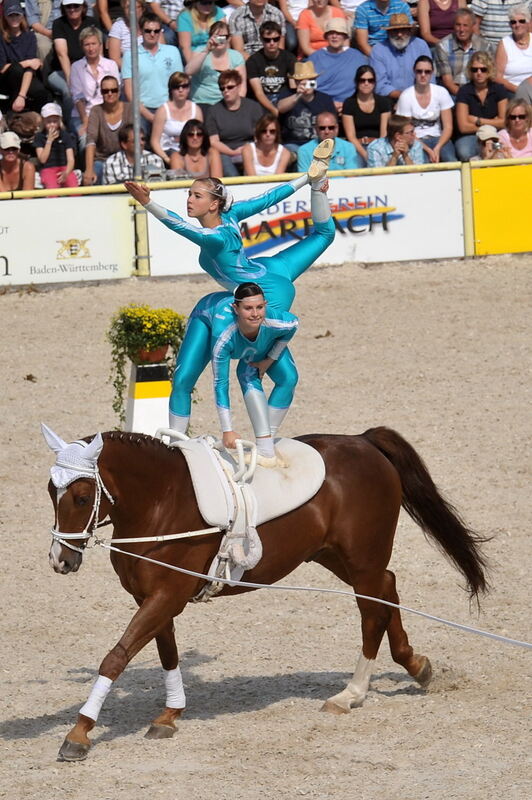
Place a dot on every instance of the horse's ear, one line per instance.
(94, 448)
(52, 439)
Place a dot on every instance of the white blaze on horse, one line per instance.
(348, 526)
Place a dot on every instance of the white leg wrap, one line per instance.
(320, 209)
(175, 694)
(177, 423)
(356, 690)
(99, 692)
(276, 416)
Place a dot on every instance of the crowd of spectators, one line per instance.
(232, 87)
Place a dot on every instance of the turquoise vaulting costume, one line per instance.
(228, 342)
(223, 257)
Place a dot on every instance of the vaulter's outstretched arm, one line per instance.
(246, 208)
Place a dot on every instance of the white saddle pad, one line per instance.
(277, 490)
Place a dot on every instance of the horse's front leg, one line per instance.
(150, 619)
(165, 725)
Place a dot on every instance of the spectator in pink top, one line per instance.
(86, 76)
(516, 136)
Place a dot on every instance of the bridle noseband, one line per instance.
(93, 522)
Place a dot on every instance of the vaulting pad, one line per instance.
(277, 490)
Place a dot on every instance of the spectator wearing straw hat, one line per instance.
(298, 110)
(394, 59)
(372, 19)
(337, 62)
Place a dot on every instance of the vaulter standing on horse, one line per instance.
(257, 335)
(223, 257)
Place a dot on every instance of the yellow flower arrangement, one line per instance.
(135, 328)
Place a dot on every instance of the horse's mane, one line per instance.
(138, 439)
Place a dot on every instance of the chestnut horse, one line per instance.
(348, 527)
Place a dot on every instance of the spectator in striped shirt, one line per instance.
(453, 52)
(120, 166)
(493, 19)
(372, 19)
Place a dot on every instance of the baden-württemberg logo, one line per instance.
(73, 248)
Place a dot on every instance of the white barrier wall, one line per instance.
(53, 240)
(394, 217)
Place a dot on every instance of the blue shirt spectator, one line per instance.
(393, 60)
(399, 147)
(337, 63)
(373, 17)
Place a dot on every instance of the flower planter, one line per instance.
(155, 356)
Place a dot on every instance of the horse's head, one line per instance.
(76, 491)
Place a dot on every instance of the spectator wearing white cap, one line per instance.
(489, 144)
(55, 150)
(16, 173)
(337, 62)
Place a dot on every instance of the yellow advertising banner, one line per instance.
(502, 207)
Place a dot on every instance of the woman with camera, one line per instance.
(206, 65)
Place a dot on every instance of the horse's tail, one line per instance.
(426, 506)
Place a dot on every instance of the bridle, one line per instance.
(93, 522)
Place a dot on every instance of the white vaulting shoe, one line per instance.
(320, 159)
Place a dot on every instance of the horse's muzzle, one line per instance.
(63, 560)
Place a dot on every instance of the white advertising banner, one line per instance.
(393, 217)
(59, 239)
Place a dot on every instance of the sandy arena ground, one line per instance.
(438, 351)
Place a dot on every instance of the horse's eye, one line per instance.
(81, 500)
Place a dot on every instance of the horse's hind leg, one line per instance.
(375, 619)
(165, 725)
(402, 653)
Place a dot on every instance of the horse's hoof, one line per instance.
(73, 751)
(424, 675)
(160, 732)
(332, 708)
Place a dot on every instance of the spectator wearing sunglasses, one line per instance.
(105, 121)
(429, 106)
(245, 22)
(336, 63)
(231, 123)
(345, 155)
(516, 136)
(156, 63)
(170, 120)
(168, 12)
(197, 159)
(513, 58)
(492, 18)
(269, 67)
(482, 101)
(365, 114)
